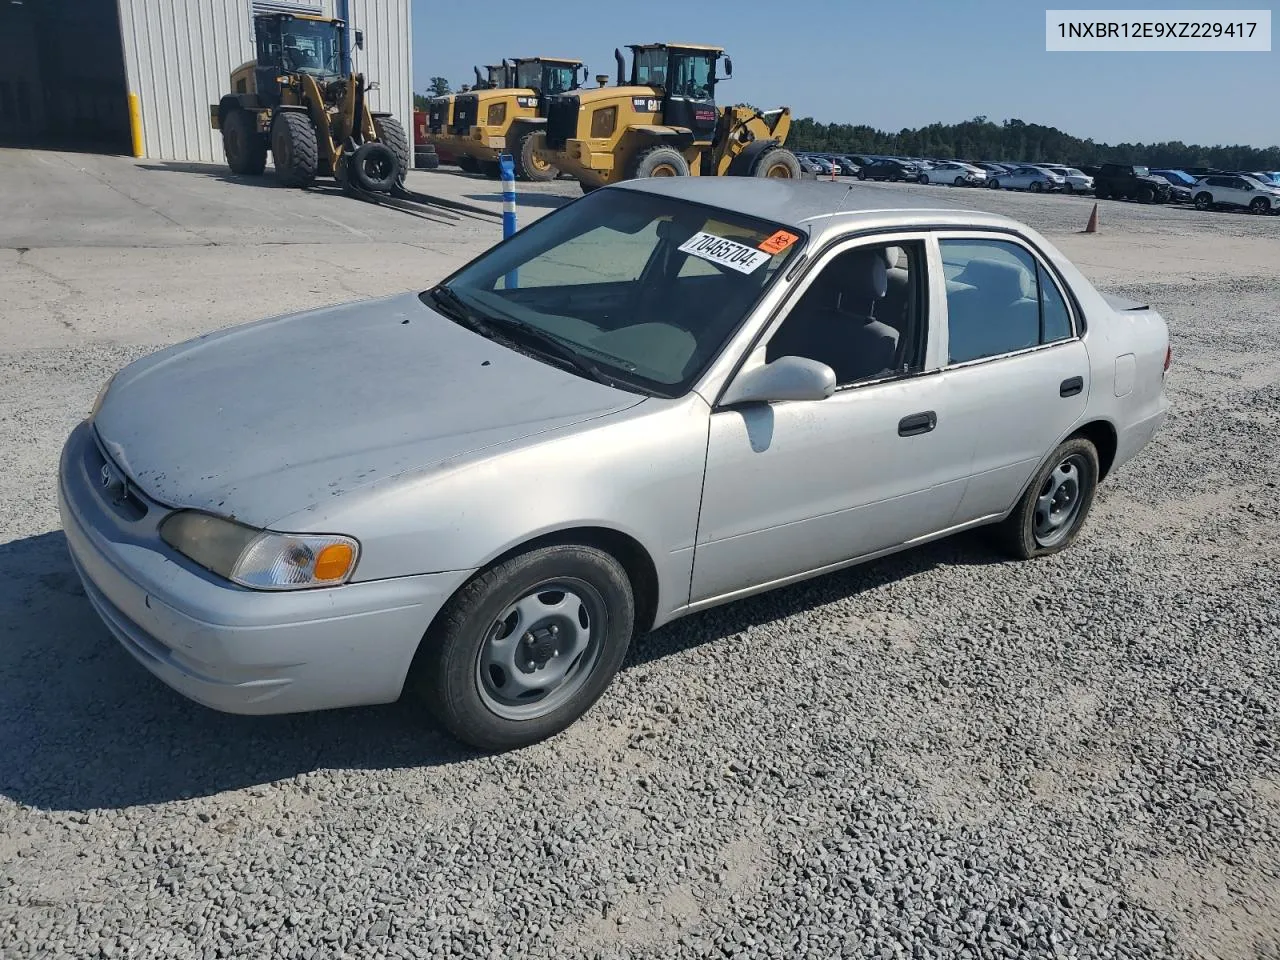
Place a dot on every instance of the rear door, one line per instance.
(1016, 369)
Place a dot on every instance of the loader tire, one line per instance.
(294, 149)
(374, 167)
(392, 134)
(777, 163)
(658, 162)
(529, 164)
(468, 164)
(245, 147)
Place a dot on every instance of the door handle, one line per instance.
(1071, 386)
(917, 424)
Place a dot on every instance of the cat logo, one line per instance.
(644, 104)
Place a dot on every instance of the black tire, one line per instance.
(448, 678)
(491, 169)
(528, 165)
(374, 167)
(244, 146)
(468, 164)
(958, 182)
(1203, 200)
(1017, 533)
(392, 134)
(1259, 205)
(1146, 195)
(1101, 192)
(1068, 188)
(777, 163)
(861, 175)
(1037, 186)
(923, 179)
(426, 158)
(658, 161)
(294, 150)
(994, 184)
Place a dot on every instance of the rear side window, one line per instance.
(999, 300)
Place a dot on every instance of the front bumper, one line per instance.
(232, 649)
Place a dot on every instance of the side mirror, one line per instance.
(359, 39)
(787, 378)
(728, 66)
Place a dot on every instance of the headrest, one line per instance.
(892, 256)
(865, 275)
(1001, 281)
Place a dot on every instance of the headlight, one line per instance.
(102, 395)
(261, 559)
(497, 113)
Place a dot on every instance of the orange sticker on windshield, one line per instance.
(778, 242)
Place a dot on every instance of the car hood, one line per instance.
(263, 420)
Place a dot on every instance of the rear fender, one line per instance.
(740, 165)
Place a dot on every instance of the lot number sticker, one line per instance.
(727, 253)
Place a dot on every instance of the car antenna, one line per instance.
(847, 190)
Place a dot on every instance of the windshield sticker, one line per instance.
(727, 253)
(778, 242)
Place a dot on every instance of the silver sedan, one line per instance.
(1035, 179)
(666, 395)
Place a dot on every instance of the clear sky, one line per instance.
(902, 63)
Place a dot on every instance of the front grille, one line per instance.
(111, 486)
(562, 121)
(465, 111)
(436, 111)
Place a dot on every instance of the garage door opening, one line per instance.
(62, 79)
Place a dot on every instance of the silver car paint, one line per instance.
(606, 460)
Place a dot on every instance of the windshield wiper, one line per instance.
(550, 344)
(463, 312)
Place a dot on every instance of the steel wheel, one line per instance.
(541, 649)
(664, 170)
(1058, 503)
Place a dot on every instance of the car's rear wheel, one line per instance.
(526, 647)
(1036, 186)
(1068, 188)
(1101, 192)
(1056, 502)
(1259, 205)
(958, 182)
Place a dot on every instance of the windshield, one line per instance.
(1141, 172)
(644, 287)
(310, 47)
(692, 76)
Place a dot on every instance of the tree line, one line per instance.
(1014, 140)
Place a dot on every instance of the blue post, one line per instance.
(507, 166)
(344, 14)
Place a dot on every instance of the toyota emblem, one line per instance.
(106, 475)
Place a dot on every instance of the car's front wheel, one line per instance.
(1260, 205)
(1056, 502)
(527, 646)
(1203, 201)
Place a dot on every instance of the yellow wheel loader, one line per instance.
(488, 123)
(661, 120)
(299, 100)
(440, 135)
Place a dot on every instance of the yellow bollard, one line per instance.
(135, 125)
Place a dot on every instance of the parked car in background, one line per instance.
(1176, 177)
(1235, 190)
(1266, 176)
(1178, 192)
(1123, 181)
(845, 166)
(418, 534)
(889, 169)
(807, 164)
(1026, 178)
(988, 166)
(954, 173)
(1073, 180)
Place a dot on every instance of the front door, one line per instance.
(1017, 374)
(797, 486)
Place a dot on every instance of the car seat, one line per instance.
(992, 308)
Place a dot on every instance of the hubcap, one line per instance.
(537, 162)
(664, 170)
(780, 171)
(1058, 505)
(541, 650)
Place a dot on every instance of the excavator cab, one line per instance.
(685, 77)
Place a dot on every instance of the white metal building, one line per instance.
(138, 76)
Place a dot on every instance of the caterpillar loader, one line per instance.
(440, 135)
(661, 120)
(489, 123)
(299, 100)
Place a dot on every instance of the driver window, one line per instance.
(863, 315)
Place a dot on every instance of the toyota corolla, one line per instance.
(666, 395)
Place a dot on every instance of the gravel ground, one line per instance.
(940, 754)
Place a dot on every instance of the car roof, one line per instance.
(817, 203)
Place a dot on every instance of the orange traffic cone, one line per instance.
(1092, 226)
